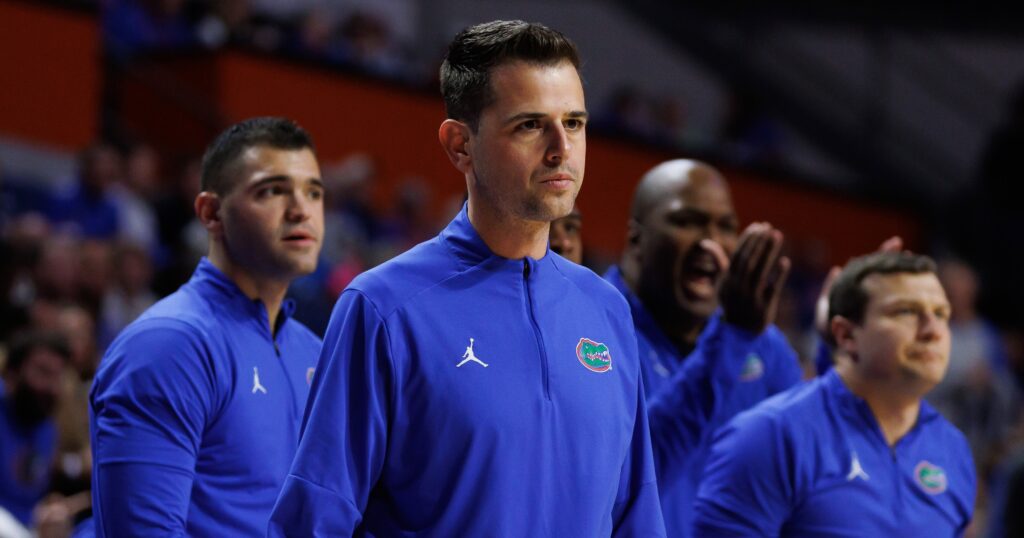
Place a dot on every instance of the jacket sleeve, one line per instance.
(150, 403)
(745, 490)
(345, 427)
(680, 414)
(637, 509)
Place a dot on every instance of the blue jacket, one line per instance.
(465, 394)
(690, 397)
(195, 414)
(814, 462)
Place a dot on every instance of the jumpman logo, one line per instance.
(256, 385)
(469, 356)
(856, 471)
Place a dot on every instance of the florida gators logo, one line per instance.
(594, 355)
(930, 477)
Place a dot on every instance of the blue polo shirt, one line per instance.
(813, 462)
(195, 413)
(461, 393)
(689, 398)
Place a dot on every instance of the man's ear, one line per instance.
(207, 206)
(842, 332)
(454, 138)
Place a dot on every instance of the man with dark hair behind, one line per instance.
(857, 451)
(32, 379)
(196, 406)
(479, 385)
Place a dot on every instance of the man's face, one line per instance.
(677, 275)
(904, 335)
(565, 236)
(273, 216)
(529, 151)
(36, 385)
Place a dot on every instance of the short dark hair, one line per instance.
(847, 297)
(278, 133)
(23, 344)
(475, 51)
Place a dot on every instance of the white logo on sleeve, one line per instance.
(856, 471)
(469, 356)
(256, 385)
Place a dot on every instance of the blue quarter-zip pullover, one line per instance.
(195, 414)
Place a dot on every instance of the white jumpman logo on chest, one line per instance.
(469, 356)
(256, 385)
(856, 471)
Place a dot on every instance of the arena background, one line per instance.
(841, 124)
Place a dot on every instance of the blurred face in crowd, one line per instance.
(273, 216)
(566, 238)
(527, 157)
(904, 336)
(677, 276)
(35, 387)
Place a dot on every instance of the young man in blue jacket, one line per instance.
(196, 407)
(857, 451)
(480, 385)
(708, 348)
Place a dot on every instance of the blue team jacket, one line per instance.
(465, 394)
(688, 399)
(195, 414)
(813, 462)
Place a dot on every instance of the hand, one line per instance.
(753, 284)
(893, 244)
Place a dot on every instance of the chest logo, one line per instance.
(256, 385)
(309, 375)
(469, 356)
(594, 355)
(753, 368)
(930, 477)
(856, 471)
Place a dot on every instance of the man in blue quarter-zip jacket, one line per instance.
(704, 359)
(480, 385)
(196, 407)
(856, 452)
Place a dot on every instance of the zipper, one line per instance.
(546, 377)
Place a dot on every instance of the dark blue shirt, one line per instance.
(465, 394)
(690, 397)
(813, 462)
(26, 457)
(195, 414)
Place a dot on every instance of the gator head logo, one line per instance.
(753, 368)
(930, 477)
(594, 355)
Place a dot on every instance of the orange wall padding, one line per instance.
(50, 89)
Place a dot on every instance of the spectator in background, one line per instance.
(86, 206)
(32, 377)
(135, 196)
(132, 27)
(565, 237)
(978, 394)
(131, 293)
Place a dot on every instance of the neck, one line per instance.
(269, 291)
(894, 407)
(509, 237)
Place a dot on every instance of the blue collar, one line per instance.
(208, 277)
(854, 406)
(466, 244)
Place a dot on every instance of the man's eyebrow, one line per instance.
(574, 114)
(281, 178)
